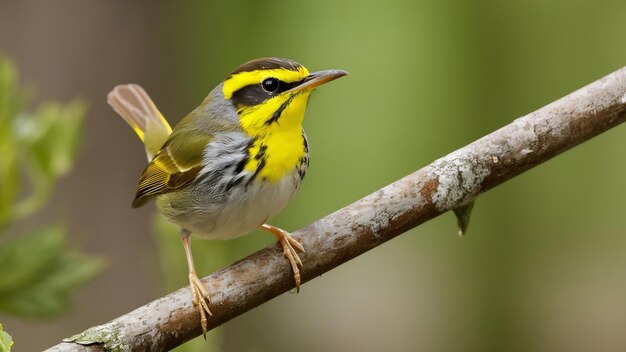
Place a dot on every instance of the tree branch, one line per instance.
(446, 184)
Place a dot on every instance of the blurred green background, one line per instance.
(543, 264)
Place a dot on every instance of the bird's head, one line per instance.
(272, 92)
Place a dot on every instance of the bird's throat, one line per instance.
(278, 146)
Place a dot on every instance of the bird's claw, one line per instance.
(290, 251)
(201, 300)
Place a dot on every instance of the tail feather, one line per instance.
(134, 105)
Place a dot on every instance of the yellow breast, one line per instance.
(278, 147)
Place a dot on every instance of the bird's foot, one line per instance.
(201, 300)
(291, 247)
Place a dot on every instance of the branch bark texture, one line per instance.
(454, 180)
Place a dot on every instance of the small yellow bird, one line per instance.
(233, 162)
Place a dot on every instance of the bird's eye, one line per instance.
(270, 85)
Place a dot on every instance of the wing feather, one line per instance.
(176, 165)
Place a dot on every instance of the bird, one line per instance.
(232, 163)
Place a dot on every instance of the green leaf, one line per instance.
(37, 271)
(37, 275)
(42, 146)
(50, 139)
(6, 341)
(23, 259)
(55, 150)
(9, 179)
(8, 102)
(8, 162)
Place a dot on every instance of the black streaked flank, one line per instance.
(306, 143)
(256, 172)
(235, 181)
(242, 163)
(261, 153)
(303, 163)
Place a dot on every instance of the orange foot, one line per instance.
(290, 245)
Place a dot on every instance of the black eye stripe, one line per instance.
(249, 95)
(254, 94)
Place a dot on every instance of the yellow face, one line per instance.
(271, 113)
(270, 96)
(264, 96)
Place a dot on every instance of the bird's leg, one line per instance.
(290, 245)
(200, 296)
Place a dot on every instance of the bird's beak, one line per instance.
(317, 79)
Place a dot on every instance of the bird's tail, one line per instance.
(138, 110)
